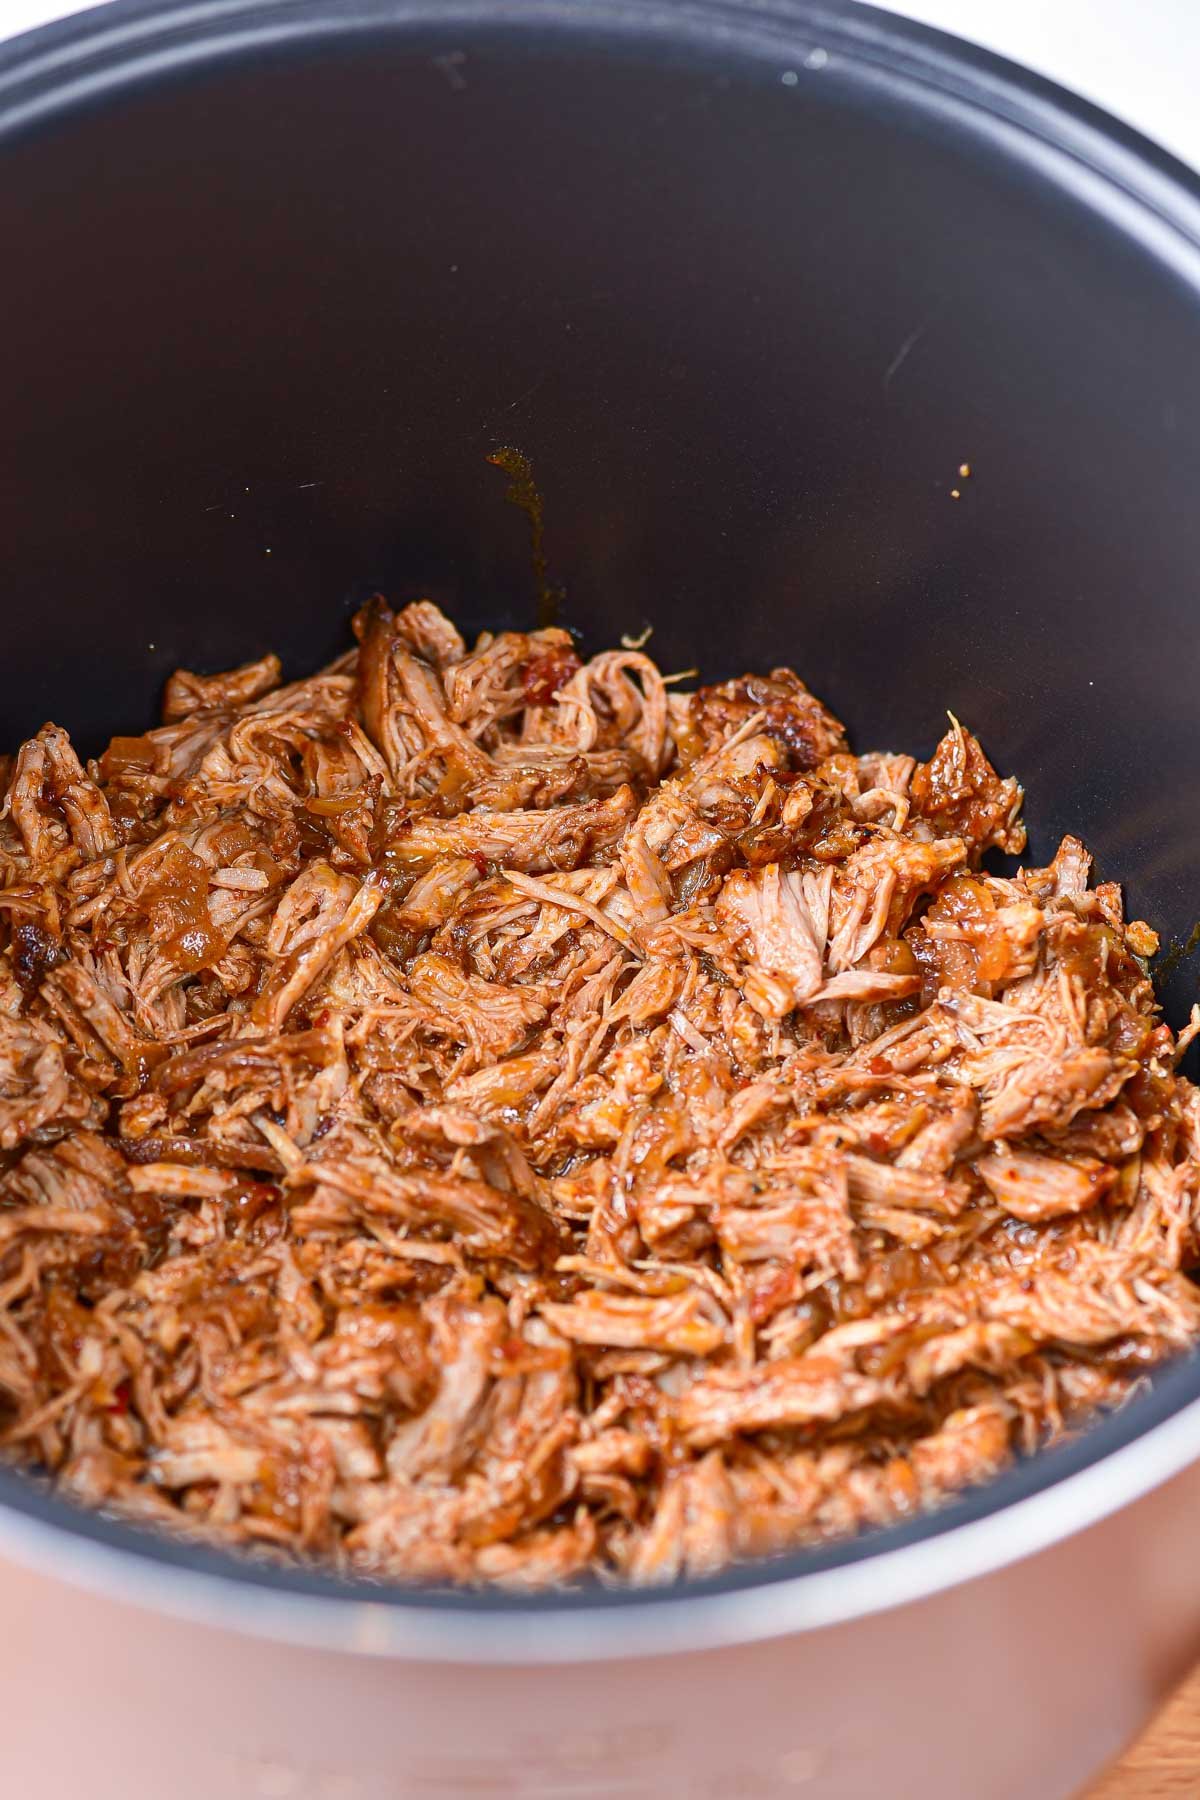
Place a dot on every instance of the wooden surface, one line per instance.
(1165, 1763)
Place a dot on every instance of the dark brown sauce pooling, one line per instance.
(1178, 954)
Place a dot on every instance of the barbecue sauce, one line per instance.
(523, 492)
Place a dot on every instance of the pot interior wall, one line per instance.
(264, 320)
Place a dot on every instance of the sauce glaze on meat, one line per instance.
(474, 1115)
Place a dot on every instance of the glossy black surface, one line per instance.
(747, 286)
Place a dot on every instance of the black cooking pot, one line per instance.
(752, 286)
(747, 314)
(748, 284)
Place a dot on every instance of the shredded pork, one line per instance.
(480, 1116)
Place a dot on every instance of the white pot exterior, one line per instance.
(1021, 1682)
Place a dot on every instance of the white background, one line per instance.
(1138, 58)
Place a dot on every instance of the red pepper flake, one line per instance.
(545, 674)
(480, 861)
(122, 1394)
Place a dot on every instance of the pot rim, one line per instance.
(1106, 166)
(222, 1591)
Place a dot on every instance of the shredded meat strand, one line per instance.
(476, 1115)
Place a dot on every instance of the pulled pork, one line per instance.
(476, 1115)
